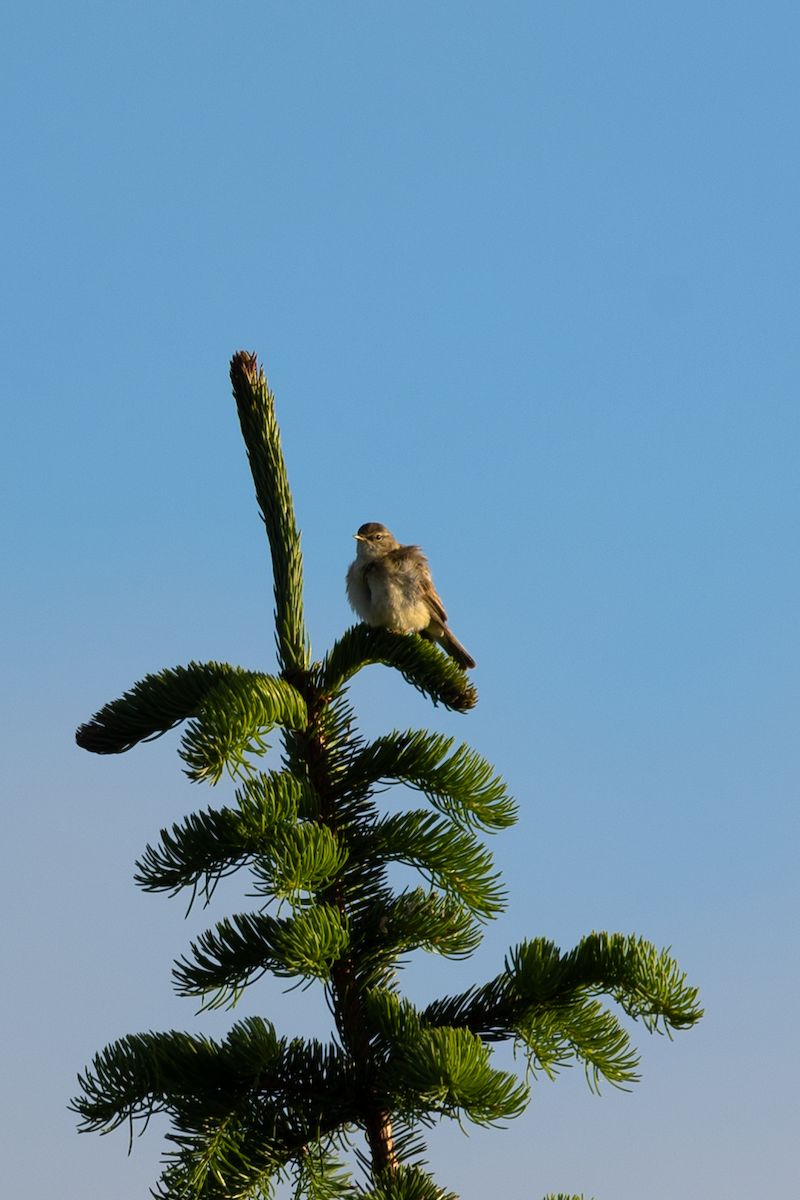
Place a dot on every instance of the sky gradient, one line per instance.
(524, 279)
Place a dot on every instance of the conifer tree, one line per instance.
(256, 1109)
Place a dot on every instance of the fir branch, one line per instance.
(145, 1073)
(319, 1175)
(420, 920)
(464, 786)
(247, 945)
(447, 1072)
(581, 1030)
(283, 1094)
(232, 722)
(451, 857)
(439, 1070)
(562, 1196)
(420, 663)
(256, 407)
(156, 704)
(285, 1116)
(645, 982)
(301, 859)
(206, 846)
(545, 1002)
(405, 1183)
(223, 1164)
(216, 842)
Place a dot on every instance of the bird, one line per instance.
(389, 586)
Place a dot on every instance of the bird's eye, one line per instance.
(378, 537)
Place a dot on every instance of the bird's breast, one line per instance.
(384, 596)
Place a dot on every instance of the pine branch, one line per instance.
(420, 662)
(256, 406)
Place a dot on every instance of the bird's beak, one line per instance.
(359, 537)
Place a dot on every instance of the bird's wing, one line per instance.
(432, 600)
(412, 563)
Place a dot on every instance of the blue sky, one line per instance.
(524, 278)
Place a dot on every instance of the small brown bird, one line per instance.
(390, 586)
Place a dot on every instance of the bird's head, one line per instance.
(374, 540)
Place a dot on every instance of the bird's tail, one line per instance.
(452, 646)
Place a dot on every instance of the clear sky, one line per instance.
(524, 278)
